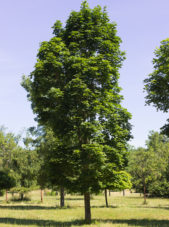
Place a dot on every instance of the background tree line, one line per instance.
(41, 164)
(149, 167)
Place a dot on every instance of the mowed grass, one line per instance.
(123, 211)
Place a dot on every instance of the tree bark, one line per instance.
(144, 194)
(106, 200)
(62, 197)
(123, 192)
(6, 195)
(87, 207)
(22, 195)
(41, 195)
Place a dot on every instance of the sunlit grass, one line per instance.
(123, 211)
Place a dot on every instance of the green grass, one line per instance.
(123, 211)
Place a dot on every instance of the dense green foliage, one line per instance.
(6, 181)
(159, 144)
(149, 167)
(74, 90)
(25, 167)
(20, 164)
(157, 83)
(8, 146)
(57, 162)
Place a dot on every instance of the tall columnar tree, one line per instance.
(74, 90)
(157, 83)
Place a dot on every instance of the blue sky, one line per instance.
(24, 24)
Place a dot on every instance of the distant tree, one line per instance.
(55, 170)
(143, 167)
(115, 180)
(159, 144)
(42, 179)
(149, 167)
(33, 141)
(74, 90)
(25, 167)
(157, 83)
(8, 145)
(22, 163)
(58, 163)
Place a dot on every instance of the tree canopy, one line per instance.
(157, 83)
(74, 90)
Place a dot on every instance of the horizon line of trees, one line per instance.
(23, 169)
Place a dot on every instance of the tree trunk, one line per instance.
(62, 197)
(144, 194)
(41, 195)
(109, 193)
(6, 195)
(123, 192)
(87, 207)
(105, 193)
(22, 195)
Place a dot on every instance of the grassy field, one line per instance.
(123, 211)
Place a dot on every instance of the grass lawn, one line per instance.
(123, 211)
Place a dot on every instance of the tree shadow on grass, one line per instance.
(104, 206)
(40, 222)
(27, 207)
(73, 199)
(151, 207)
(66, 199)
(156, 207)
(138, 222)
(130, 222)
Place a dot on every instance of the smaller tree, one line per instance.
(42, 179)
(8, 145)
(159, 144)
(25, 167)
(143, 167)
(115, 180)
(57, 163)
